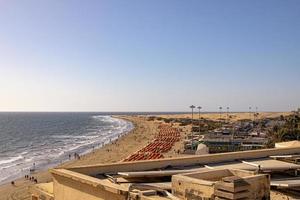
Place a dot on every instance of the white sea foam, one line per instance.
(74, 137)
(10, 160)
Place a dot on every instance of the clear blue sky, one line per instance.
(149, 55)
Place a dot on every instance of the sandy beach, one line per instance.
(118, 150)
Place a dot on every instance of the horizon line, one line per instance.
(195, 111)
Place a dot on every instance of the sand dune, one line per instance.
(232, 116)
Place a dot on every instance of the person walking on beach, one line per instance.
(76, 156)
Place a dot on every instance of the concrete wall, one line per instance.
(69, 189)
(191, 160)
(260, 186)
(202, 185)
(38, 194)
(189, 188)
(73, 184)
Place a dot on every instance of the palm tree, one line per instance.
(250, 112)
(192, 107)
(256, 113)
(199, 107)
(227, 114)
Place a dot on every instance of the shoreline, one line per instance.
(82, 150)
(142, 132)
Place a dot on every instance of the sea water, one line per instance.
(36, 141)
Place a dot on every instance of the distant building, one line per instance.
(222, 184)
(227, 143)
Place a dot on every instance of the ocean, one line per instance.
(41, 140)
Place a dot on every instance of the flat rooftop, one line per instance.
(155, 175)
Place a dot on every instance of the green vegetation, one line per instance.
(205, 124)
(286, 129)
